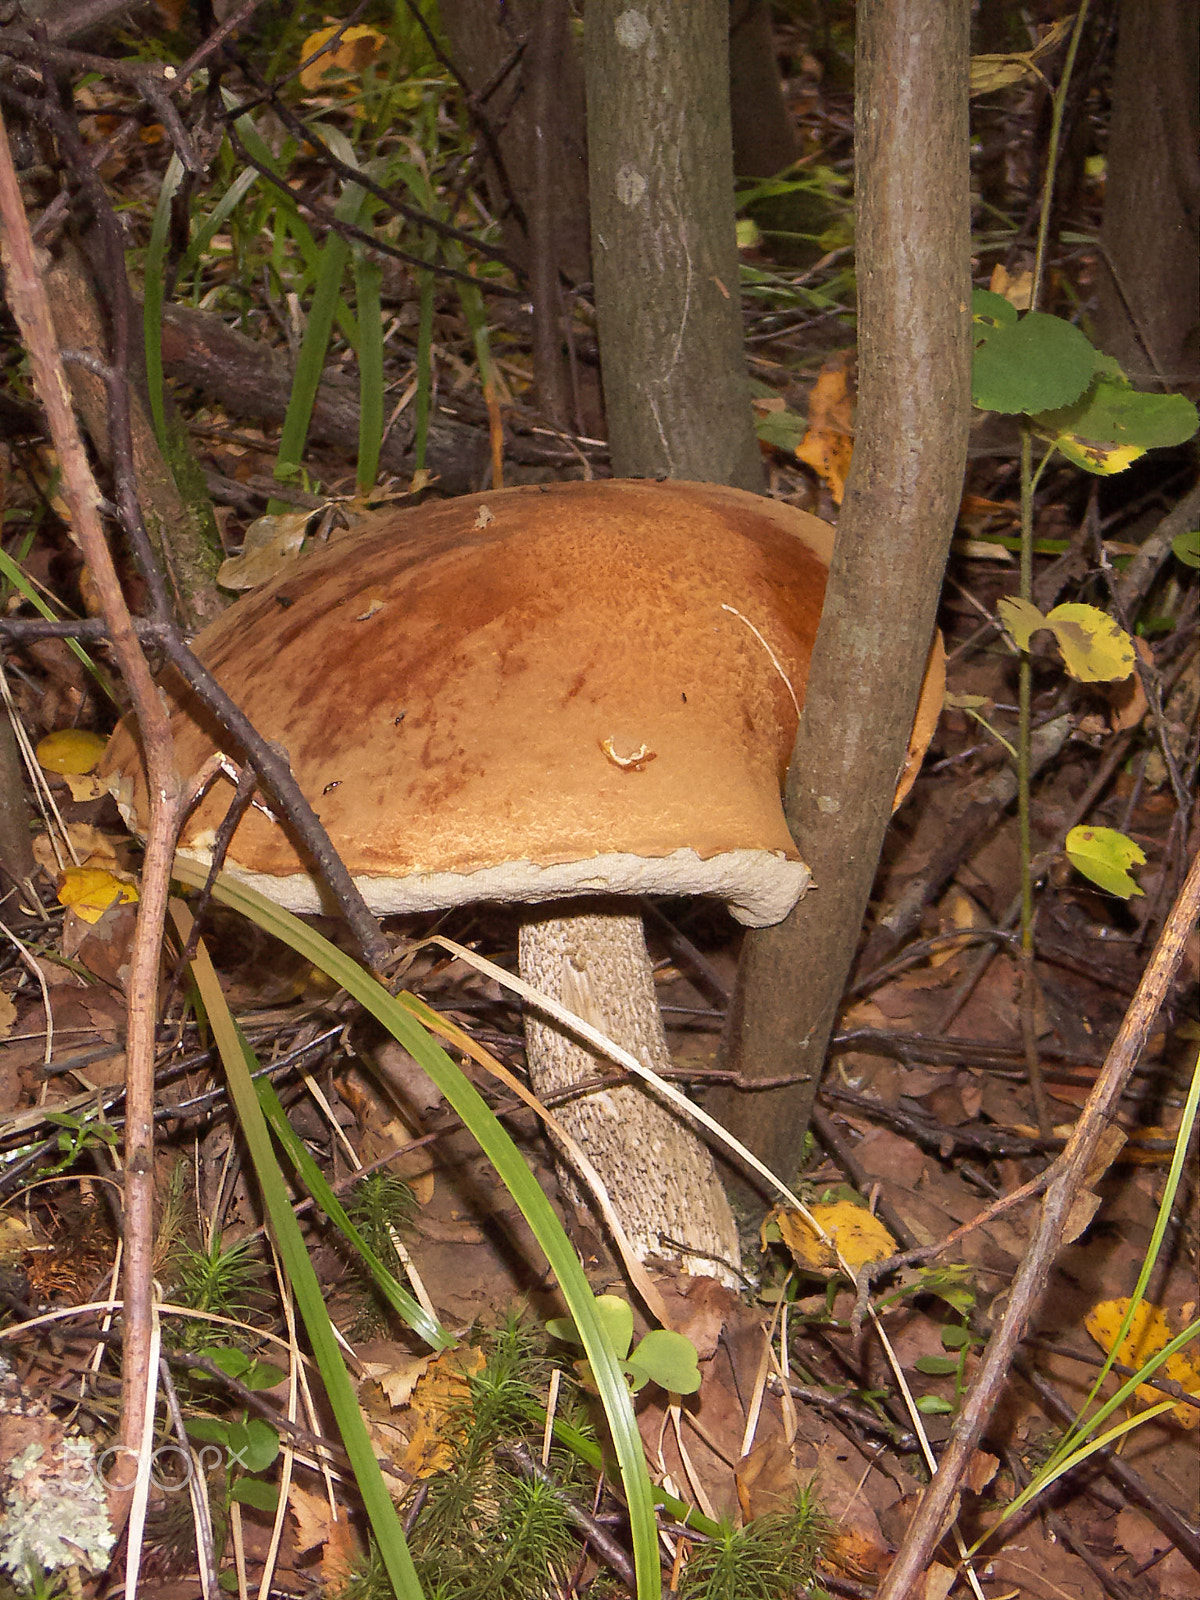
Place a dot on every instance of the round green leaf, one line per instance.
(1037, 364)
(1104, 856)
(263, 1375)
(1187, 548)
(990, 310)
(253, 1445)
(956, 1337)
(668, 1359)
(256, 1492)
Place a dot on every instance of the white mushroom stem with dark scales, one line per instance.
(536, 695)
(593, 960)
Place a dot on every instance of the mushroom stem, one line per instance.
(660, 1177)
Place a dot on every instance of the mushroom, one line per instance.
(562, 696)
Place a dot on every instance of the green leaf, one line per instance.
(1033, 365)
(209, 1430)
(956, 1337)
(615, 1314)
(256, 1492)
(263, 1375)
(668, 1359)
(1186, 548)
(934, 1406)
(253, 1445)
(1104, 856)
(783, 429)
(990, 310)
(1096, 649)
(233, 1363)
(1113, 424)
(936, 1366)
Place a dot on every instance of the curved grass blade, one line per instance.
(313, 1179)
(496, 1144)
(238, 1060)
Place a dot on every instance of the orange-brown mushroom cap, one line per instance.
(539, 692)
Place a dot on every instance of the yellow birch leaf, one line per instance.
(1105, 855)
(89, 891)
(70, 750)
(338, 68)
(856, 1232)
(1149, 1331)
(438, 1408)
(829, 441)
(1096, 649)
(1020, 619)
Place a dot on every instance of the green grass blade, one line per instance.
(496, 1144)
(424, 371)
(222, 211)
(10, 570)
(313, 1179)
(239, 1063)
(355, 206)
(153, 296)
(367, 280)
(1085, 1424)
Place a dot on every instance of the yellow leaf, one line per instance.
(1093, 455)
(89, 891)
(1021, 619)
(1150, 1331)
(70, 750)
(828, 444)
(349, 58)
(1016, 287)
(438, 1408)
(1096, 649)
(991, 72)
(859, 1236)
(1104, 855)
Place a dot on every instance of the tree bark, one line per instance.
(664, 247)
(491, 47)
(913, 219)
(764, 133)
(1149, 273)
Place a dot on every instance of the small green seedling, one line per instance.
(250, 1444)
(76, 1134)
(662, 1357)
(958, 1341)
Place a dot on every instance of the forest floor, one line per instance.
(925, 1112)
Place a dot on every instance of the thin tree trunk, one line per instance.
(664, 247)
(913, 220)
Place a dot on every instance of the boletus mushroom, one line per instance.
(564, 697)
